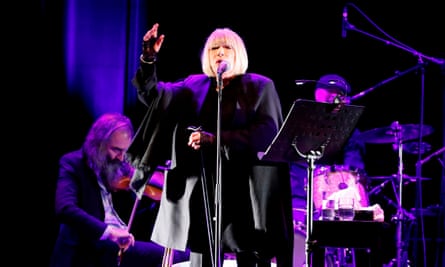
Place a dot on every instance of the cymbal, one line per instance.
(395, 176)
(395, 132)
(413, 147)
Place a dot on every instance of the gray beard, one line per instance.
(113, 172)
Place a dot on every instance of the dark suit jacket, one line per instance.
(80, 212)
(256, 204)
(79, 209)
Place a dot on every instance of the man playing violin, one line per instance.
(92, 230)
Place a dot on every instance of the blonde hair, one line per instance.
(232, 39)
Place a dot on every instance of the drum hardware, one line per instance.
(344, 257)
(395, 127)
(419, 211)
(426, 159)
(414, 148)
(387, 135)
(396, 134)
(400, 133)
(405, 177)
(390, 179)
(407, 216)
(377, 189)
(432, 211)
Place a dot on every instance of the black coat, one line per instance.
(256, 198)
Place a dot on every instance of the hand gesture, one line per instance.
(200, 138)
(151, 43)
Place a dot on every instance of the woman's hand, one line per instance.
(200, 138)
(151, 43)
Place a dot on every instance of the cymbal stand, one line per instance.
(401, 253)
(421, 59)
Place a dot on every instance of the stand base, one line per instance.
(393, 263)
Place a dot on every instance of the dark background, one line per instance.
(285, 40)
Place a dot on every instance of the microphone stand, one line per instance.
(218, 187)
(351, 27)
(205, 196)
(421, 57)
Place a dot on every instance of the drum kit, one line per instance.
(397, 134)
(329, 180)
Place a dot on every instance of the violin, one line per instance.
(153, 188)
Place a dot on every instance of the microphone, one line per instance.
(223, 67)
(344, 24)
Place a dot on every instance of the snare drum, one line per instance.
(332, 179)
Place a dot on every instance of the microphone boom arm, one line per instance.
(351, 27)
(398, 74)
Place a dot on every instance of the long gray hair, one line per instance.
(98, 137)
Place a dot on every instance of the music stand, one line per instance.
(310, 131)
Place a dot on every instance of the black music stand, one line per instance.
(310, 131)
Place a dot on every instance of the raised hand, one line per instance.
(151, 43)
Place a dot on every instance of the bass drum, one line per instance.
(329, 180)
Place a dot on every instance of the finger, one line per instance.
(196, 146)
(147, 36)
(158, 43)
(194, 136)
(155, 29)
(190, 143)
(153, 32)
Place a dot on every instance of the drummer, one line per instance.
(330, 88)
